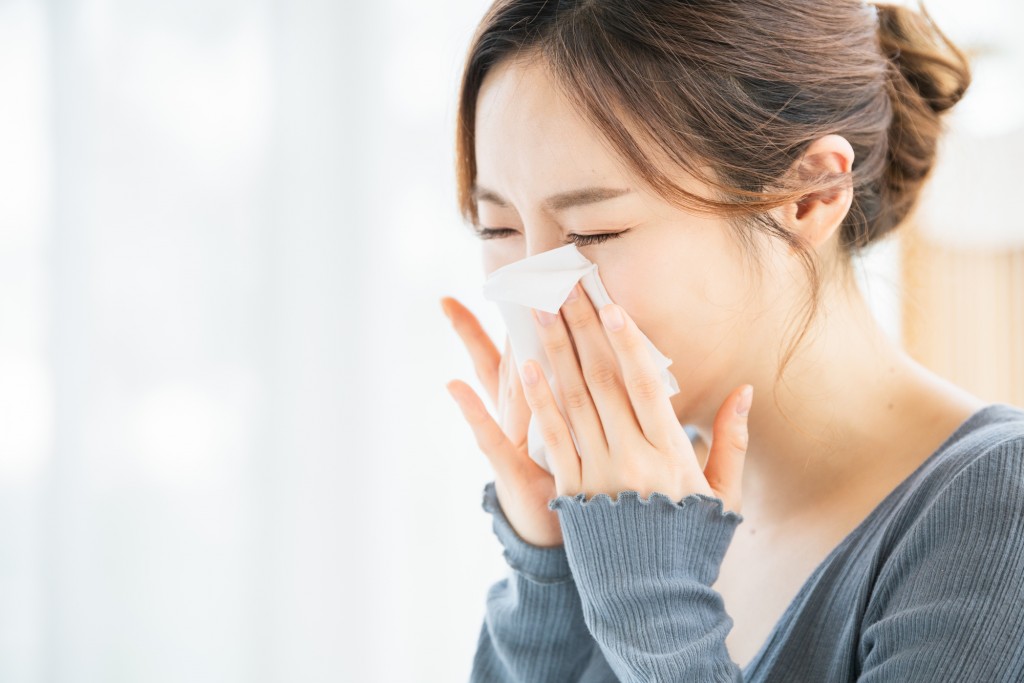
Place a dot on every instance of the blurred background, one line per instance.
(226, 448)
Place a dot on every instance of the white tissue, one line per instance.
(543, 281)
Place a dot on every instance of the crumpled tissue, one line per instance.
(543, 281)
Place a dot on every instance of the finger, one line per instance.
(642, 378)
(482, 351)
(507, 462)
(518, 413)
(601, 370)
(572, 387)
(724, 468)
(504, 386)
(565, 461)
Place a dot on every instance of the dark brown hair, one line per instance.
(741, 88)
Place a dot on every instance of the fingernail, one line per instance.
(612, 317)
(543, 317)
(530, 374)
(746, 398)
(574, 294)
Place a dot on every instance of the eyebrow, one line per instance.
(557, 202)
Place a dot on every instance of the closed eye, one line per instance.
(578, 240)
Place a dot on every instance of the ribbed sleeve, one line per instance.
(644, 569)
(533, 628)
(949, 601)
(928, 588)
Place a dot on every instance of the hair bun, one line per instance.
(936, 69)
(928, 74)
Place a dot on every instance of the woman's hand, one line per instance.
(621, 414)
(523, 487)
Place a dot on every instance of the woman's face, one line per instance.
(679, 275)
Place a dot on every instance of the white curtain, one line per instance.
(225, 452)
(226, 449)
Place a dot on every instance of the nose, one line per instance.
(542, 238)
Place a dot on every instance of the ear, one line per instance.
(818, 216)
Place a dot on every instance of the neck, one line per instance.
(848, 394)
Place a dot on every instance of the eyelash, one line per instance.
(578, 240)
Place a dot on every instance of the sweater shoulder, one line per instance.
(952, 562)
(977, 476)
(984, 445)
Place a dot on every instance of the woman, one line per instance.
(722, 162)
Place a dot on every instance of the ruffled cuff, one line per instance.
(539, 564)
(605, 539)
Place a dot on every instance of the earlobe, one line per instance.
(818, 216)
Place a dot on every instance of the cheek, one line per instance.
(500, 252)
(655, 273)
(684, 304)
(655, 298)
(653, 295)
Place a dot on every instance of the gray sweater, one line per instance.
(928, 588)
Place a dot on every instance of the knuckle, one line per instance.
(580, 320)
(576, 397)
(551, 434)
(602, 374)
(536, 401)
(631, 344)
(645, 387)
(739, 439)
(558, 345)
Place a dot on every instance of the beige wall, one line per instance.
(963, 314)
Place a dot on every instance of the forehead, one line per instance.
(528, 134)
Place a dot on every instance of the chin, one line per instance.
(683, 411)
(690, 409)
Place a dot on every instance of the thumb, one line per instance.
(505, 460)
(724, 468)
